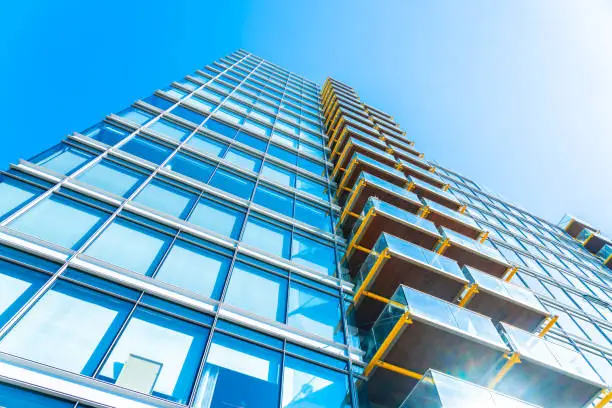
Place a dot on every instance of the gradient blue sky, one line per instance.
(516, 95)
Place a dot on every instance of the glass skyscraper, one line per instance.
(246, 238)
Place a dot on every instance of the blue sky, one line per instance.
(516, 95)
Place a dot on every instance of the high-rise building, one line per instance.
(245, 238)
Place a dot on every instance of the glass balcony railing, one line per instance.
(390, 187)
(605, 254)
(439, 390)
(505, 289)
(434, 192)
(364, 135)
(413, 170)
(375, 164)
(460, 217)
(475, 246)
(584, 235)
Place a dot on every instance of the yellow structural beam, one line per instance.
(569, 224)
(510, 273)
(483, 237)
(442, 245)
(388, 342)
(424, 211)
(347, 173)
(346, 211)
(606, 396)
(338, 166)
(462, 209)
(511, 360)
(472, 289)
(364, 223)
(399, 370)
(378, 264)
(549, 324)
(588, 239)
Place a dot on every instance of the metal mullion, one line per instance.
(117, 336)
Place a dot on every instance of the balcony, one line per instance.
(438, 390)
(545, 373)
(378, 217)
(592, 241)
(360, 163)
(401, 141)
(469, 252)
(417, 332)
(573, 226)
(349, 133)
(394, 262)
(502, 301)
(354, 146)
(454, 220)
(605, 254)
(435, 194)
(368, 186)
(427, 176)
(401, 153)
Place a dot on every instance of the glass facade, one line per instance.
(216, 244)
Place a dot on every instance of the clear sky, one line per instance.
(516, 94)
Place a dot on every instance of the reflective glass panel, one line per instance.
(217, 217)
(313, 254)
(267, 237)
(166, 198)
(63, 159)
(14, 194)
(314, 312)
(111, 177)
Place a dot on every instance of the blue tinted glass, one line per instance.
(217, 217)
(313, 254)
(147, 149)
(284, 140)
(314, 312)
(311, 166)
(166, 198)
(171, 130)
(221, 128)
(312, 215)
(63, 159)
(59, 220)
(258, 292)
(112, 177)
(282, 154)
(207, 144)
(156, 354)
(202, 104)
(188, 114)
(243, 159)
(278, 174)
(191, 167)
(267, 237)
(129, 246)
(312, 187)
(137, 116)
(239, 374)
(17, 285)
(14, 194)
(326, 388)
(252, 141)
(70, 327)
(232, 183)
(196, 269)
(106, 133)
(274, 200)
(15, 397)
(156, 101)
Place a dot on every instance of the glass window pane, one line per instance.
(70, 327)
(221, 128)
(312, 215)
(309, 385)
(156, 354)
(267, 237)
(232, 183)
(274, 200)
(311, 166)
(191, 167)
(278, 174)
(315, 312)
(14, 194)
(15, 397)
(137, 116)
(207, 145)
(239, 374)
(166, 198)
(158, 102)
(17, 285)
(112, 177)
(251, 141)
(243, 159)
(258, 292)
(129, 246)
(147, 149)
(217, 217)
(312, 187)
(59, 220)
(282, 154)
(106, 133)
(170, 129)
(313, 254)
(196, 269)
(188, 115)
(63, 159)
